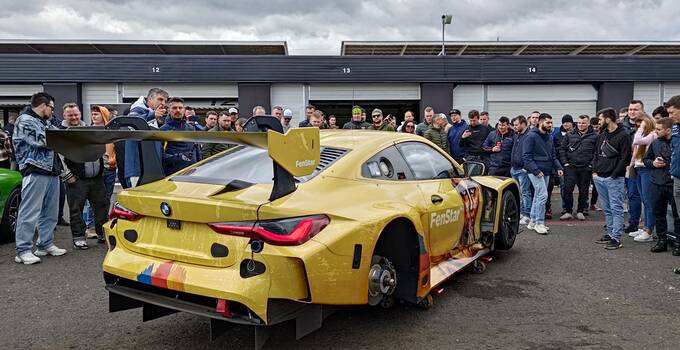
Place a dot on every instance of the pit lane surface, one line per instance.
(559, 291)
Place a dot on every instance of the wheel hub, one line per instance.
(382, 280)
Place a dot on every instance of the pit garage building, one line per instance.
(504, 78)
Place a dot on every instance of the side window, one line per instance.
(387, 164)
(425, 162)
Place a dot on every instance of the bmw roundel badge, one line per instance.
(165, 209)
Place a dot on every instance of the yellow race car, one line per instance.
(282, 226)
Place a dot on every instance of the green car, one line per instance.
(10, 196)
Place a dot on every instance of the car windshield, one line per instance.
(241, 163)
(244, 165)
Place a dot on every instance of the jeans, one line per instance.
(574, 177)
(39, 206)
(540, 184)
(644, 183)
(663, 196)
(109, 183)
(634, 202)
(611, 198)
(77, 193)
(521, 176)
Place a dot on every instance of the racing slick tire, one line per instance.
(509, 222)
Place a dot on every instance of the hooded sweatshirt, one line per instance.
(454, 136)
(538, 153)
(612, 153)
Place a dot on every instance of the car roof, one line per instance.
(368, 139)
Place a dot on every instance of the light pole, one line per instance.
(446, 19)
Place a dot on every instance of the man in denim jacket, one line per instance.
(41, 168)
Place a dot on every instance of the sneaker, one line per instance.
(604, 239)
(635, 233)
(80, 244)
(531, 225)
(26, 258)
(541, 229)
(580, 216)
(90, 233)
(643, 237)
(594, 207)
(101, 239)
(567, 216)
(613, 244)
(53, 250)
(548, 214)
(630, 228)
(524, 220)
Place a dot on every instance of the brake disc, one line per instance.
(382, 280)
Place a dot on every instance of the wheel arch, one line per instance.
(403, 245)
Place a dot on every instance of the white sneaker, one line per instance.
(27, 258)
(643, 237)
(636, 233)
(580, 216)
(531, 225)
(541, 229)
(566, 216)
(524, 220)
(53, 250)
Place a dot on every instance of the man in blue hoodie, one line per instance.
(178, 155)
(521, 127)
(458, 125)
(540, 161)
(148, 109)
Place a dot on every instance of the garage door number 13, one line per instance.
(346, 70)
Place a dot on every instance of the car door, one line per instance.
(442, 205)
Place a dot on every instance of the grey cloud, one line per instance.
(318, 27)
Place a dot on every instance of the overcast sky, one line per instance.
(318, 27)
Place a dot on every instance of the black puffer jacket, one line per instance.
(577, 150)
(612, 153)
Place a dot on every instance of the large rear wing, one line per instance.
(295, 153)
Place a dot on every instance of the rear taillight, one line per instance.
(123, 213)
(292, 231)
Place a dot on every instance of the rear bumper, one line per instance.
(165, 283)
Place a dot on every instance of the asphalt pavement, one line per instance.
(559, 291)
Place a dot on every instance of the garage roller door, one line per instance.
(364, 92)
(557, 100)
(290, 96)
(192, 90)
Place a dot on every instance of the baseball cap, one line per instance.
(377, 111)
(287, 113)
(356, 110)
(454, 111)
(233, 110)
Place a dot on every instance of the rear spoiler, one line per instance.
(295, 153)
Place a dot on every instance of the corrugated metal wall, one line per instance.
(364, 91)
(290, 96)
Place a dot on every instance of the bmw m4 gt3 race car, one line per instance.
(284, 225)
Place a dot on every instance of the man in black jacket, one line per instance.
(473, 138)
(84, 182)
(612, 156)
(576, 155)
(658, 158)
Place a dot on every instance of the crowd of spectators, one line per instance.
(624, 159)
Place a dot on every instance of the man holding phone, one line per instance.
(473, 137)
(658, 159)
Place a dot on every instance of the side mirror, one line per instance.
(472, 168)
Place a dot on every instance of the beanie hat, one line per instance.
(567, 119)
(356, 110)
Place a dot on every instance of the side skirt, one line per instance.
(447, 268)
